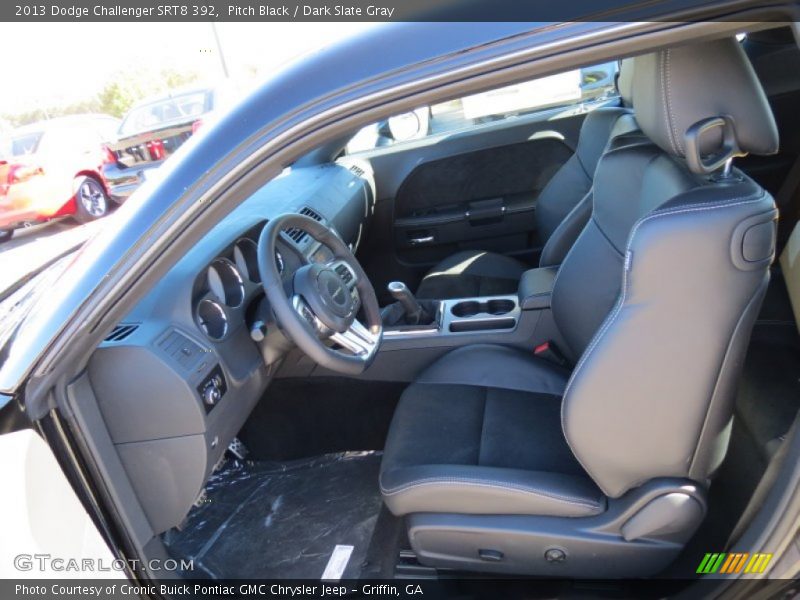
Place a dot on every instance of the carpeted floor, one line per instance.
(311, 416)
(283, 519)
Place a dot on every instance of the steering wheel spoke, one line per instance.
(301, 308)
(350, 278)
(357, 339)
(345, 272)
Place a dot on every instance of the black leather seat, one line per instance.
(484, 421)
(504, 462)
(562, 209)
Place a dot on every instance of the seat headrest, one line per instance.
(674, 89)
(625, 81)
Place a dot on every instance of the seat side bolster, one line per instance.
(465, 273)
(564, 236)
(488, 490)
(492, 366)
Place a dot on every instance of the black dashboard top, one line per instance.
(219, 276)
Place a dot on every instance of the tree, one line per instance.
(116, 97)
(124, 90)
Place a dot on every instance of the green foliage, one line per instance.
(124, 90)
(116, 97)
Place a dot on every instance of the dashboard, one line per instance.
(177, 378)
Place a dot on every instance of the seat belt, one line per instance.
(764, 486)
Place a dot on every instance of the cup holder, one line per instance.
(466, 309)
(499, 307)
(470, 308)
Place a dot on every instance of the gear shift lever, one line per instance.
(410, 304)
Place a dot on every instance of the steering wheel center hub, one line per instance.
(328, 296)
(334, 293)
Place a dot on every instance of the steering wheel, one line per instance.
(323, 300)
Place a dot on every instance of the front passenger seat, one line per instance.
(504, 462)
(562, 209)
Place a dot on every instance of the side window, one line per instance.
(572, 88)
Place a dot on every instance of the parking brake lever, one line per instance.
(410, 304)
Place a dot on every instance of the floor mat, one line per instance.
(299, 417)
(283, 520)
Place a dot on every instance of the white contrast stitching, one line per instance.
(623, 293)
(484, 483)
(676, 144)
(663, 59)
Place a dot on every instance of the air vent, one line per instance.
(359, 172)
(310, 212)
(121, 331)
(298, 236)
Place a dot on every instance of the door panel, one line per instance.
(477, 195)
(44, 517)
(474, 189)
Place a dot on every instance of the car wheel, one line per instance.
(5, 235)
(90, 199)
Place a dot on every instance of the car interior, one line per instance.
(557, 342)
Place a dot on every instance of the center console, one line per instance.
(523, 320)
(482, 315)
(462, 315)
(418, 332)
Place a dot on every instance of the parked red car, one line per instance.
(53, 169)
(153, 130)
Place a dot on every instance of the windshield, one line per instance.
(169, 110)
(17, 303)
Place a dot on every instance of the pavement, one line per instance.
(34, 246)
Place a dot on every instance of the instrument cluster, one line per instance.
(223, 289)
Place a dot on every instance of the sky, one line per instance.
(47, 64)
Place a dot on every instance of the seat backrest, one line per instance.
(571, 183)
(659, 293)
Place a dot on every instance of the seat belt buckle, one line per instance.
(549, 351)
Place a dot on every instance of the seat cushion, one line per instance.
(472, 273)
(491, 444)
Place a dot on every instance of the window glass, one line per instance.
(572, 88)
(22, 145)
(170, 110)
